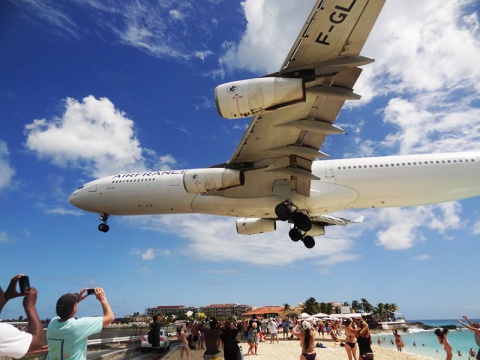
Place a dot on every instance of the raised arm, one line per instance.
(108, 315)
(34, 325)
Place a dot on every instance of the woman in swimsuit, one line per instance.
(351, 334)
(398, 340)
(442, 339)
(183, 341)
(306, 333)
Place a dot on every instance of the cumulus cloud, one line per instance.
(6, 170)
(272, 27)
(214, 238)
(92, 134)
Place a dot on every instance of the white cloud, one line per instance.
(402, 228)
(6, 171)
(422, 257)
(214, 238)
(150, 253)
(272, 27)
(4, 237)
(91, 133)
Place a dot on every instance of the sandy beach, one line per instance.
(290, 350)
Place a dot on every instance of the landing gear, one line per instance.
(103, 227)
(301, 224)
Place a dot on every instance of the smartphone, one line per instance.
(90, 291)
(24, 284)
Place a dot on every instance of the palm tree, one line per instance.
(310, 306)
(286, 307)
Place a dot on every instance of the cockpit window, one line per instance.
(81, 187)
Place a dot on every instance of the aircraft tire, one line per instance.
(302, 221)
(103, 228)
(283, 212)
(309, 242)
(295, 234)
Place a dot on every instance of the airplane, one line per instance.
(277, 172)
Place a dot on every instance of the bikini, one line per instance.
(310, 356)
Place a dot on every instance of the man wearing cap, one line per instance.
(66, 335)
(13, 342)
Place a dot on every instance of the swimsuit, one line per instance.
(183, 346)
(310, 356)
(351, 344)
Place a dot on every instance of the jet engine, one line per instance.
(251, 226)
(245, 98)
(202, 181)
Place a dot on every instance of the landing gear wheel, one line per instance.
(283, 211)
(309, 242)
(301, 221)
(103, 228)
(295, 234)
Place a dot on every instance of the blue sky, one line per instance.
(90, 88)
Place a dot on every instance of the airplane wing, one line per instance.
(284, 141)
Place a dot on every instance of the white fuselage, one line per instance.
(391, 181)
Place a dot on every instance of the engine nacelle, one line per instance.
(251, 226)
(239, 99)
(202, 181)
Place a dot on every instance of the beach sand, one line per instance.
(290, 350)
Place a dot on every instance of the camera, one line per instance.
(90, 291)
(24, 284)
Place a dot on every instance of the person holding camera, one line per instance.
(66, 335)
(13, 342)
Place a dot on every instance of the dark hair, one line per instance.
(155, 317)
(307, 339)
(441, 333)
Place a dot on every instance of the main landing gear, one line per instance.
(103, 227)
(301, 224)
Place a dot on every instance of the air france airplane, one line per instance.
(274, 173)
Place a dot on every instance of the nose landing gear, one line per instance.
(301, 224)
(103, 227)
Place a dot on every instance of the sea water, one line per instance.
(426, 342)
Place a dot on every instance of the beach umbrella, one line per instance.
(304, 315)
(320, 315)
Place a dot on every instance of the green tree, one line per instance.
(356, 306)
(367, 307)
(286, 307)
(311, 306)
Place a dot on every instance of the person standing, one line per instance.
(398, 340)
(212, 334)
(364, 341)
(442, 339)
(154, 334)
(475, 327)
(306, 333)
(13, 342)
(183, 343)
(351, 334)
(66, 335)
(273, 330)
(229, 339)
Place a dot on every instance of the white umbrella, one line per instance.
(320, 315)
(304, 315)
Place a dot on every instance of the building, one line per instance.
(168, 310)
(265, 312)
(225, 310)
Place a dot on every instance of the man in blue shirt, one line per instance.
(66, 335)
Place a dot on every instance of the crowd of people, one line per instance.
(212, 335)
(66, 335)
